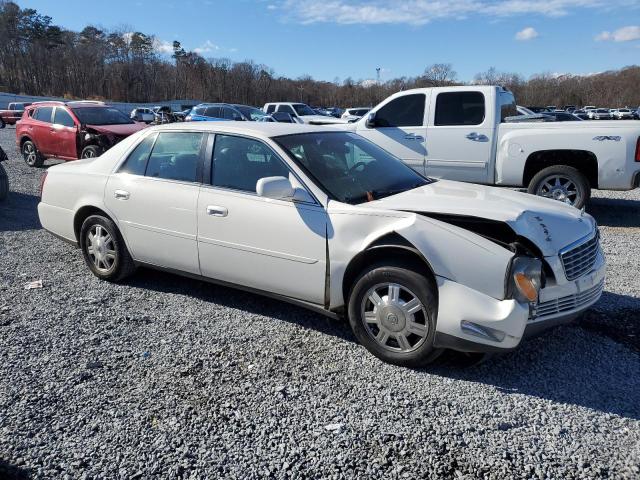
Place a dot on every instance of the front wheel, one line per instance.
(4, 183)
(91, 151)
(392, 311)
(563, 183)
(104, 250)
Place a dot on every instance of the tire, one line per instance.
(391, 319)
(91, 151)
(4, 183)
(31, 155)
(108, 259)
(563, 183)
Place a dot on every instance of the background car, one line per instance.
(212, 112)
(13, 112)
(582, 114)
(563, 116)
(599, 114)
(71, 130)
(353, 114)
(142, 114)
(622, 114)
(296, 110)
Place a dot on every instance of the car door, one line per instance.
(64, 133)
(400, 128)
(154, 196)
(40, 130)
(276, 246)
(461, 135)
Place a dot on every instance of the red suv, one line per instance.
(70, 130)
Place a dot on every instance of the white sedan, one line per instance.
(328, 220)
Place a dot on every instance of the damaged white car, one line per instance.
(329, 220)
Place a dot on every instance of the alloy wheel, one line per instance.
(101, 248)
(394, 317)
(559, 187)
(30, 154)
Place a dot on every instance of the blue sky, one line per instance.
(330, 39)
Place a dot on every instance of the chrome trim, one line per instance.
(567, 304)
(578, 243)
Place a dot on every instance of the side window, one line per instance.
(230, 114)
(136, 162)
(213, 112)
(43, 114)
(406, 111)
(239, 163)
(459, 108)
(271, 108)
(62, 117)
(175, 156)
(286, 109)
(508, 107)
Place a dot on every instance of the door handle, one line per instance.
(121, 195)
(477, 137)
(216, 211)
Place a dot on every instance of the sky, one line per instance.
(336, 39)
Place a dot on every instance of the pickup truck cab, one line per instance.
(462, 133)
(13, 113)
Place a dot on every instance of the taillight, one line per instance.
(44, 177)
(638, 150)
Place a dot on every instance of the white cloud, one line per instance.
(624, 34)
(420, 12)
(525, 34)
(162, 46)
(207, 47)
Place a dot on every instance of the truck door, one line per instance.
(461, 136)
(399, 126)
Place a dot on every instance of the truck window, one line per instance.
(406, 111)
(271, 108)
(459, 108)
(286, 109)
(508, 107)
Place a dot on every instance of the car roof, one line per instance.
(257, 129)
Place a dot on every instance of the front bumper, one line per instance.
(509, 321)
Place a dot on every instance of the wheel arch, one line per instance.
(85, 212)
(389, 246)
(584, 161)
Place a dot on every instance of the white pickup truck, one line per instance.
(460, 133)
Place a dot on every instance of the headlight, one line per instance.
(525, 279)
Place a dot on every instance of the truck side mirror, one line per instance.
(370, 122)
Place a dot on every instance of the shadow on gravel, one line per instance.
(19, 212)
(622, 325)
(11, 472)
(233, 298)
(615, 212)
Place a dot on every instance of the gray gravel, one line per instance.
(165, 377)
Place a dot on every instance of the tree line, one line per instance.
(40, 58)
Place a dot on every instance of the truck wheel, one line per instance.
(4, 183)
(104, 250)
(31, 155)
(392, 312)
(91, 151)
(562, 183)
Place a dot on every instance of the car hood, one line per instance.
(123, 130)
(549, 224)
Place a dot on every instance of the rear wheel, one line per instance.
(31, 155)
(91, 151)
(4, 183)
(563, 183)
(104, 250)
(392, 311)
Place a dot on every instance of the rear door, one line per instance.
(64, 134)
(461, 135)
(41, 130)
(400, 128)
(154, 196)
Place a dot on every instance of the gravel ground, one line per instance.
(166, 377)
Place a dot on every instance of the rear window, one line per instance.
(459, 108)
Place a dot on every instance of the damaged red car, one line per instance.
(70, 130)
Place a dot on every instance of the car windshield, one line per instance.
(302, 109)
(251, 113)
(350, 168)
(101, 116)
(602, 110)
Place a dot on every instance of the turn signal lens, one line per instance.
(526, 286)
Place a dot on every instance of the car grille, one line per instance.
(568, 303)
(580, 259)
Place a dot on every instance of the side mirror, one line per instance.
(370, 122)
(278, 188)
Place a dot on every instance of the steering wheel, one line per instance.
(357, 165)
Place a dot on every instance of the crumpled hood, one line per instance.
(550, 224)
(123, 130)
